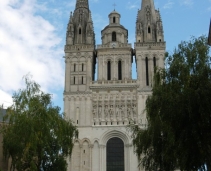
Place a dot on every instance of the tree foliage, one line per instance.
(37, 137)
(178, 135)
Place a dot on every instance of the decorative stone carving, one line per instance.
(111, 112)
(118, 112)
(123, 111)
(100, 111)
(129, 112)
(106, 112)
(94, 111)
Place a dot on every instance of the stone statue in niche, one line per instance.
(122, 109)
(111, 112)
(140, 29)
(148, 13)
(94, 111)
(134, 109)
(118, 112)
(106, 111)
(129, 111)
(100, 111)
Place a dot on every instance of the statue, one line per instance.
(94, 111)
(134, 109)
(117, 112)
(129, 112)
(106, 111)
(111, 111)
(122, 108)
(100, 111)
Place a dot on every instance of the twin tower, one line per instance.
(103, 108)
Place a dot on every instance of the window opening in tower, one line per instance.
(109, 70)
(79, 30)
(147, 71)
(120, 70)
(154, 63)
(149, 30)
(114, 36)
(114, 19)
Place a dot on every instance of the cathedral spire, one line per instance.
(146, 3)
(149, 27)
(80, 27)
(82, 4)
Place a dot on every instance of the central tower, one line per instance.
(102, 109)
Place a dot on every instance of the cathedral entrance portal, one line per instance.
(115, 155)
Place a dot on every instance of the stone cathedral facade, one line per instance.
(103, 108)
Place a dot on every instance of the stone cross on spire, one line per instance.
(114, 6)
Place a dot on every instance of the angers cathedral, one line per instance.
(102, 108)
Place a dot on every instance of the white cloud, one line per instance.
(28, 44)
(133, 5)
(168, 5)
(187, 2)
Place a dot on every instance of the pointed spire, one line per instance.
(82, 4)
(71, 17)
(146, 3)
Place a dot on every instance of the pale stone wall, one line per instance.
(102, 109)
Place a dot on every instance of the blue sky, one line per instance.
(32, 35)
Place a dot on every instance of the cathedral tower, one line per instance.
(150, 44)
(79, 49)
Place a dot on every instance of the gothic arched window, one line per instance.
(109, 70)
(149, 29)
(115, 155)
(114, 36)
(82, 67)
(73, 80)
(154, 61)
(74, 67)
(79, 30)
(114, 19)
(119, 70)
(82, 80)
(147, 71)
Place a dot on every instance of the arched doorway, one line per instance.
(115, 155)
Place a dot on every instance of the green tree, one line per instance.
(179, 112)
(37, 137)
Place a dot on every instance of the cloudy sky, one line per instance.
(32, 35)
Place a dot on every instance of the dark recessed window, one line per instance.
(147, 71)
(114, 36)
(114, 19)
(79, 30)
(82, 80)
(109, 70)
(82, 67)
(115, 154)
(154, 62)
(120, 70)
(73, 80)
(74, 67)
(149, 30)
